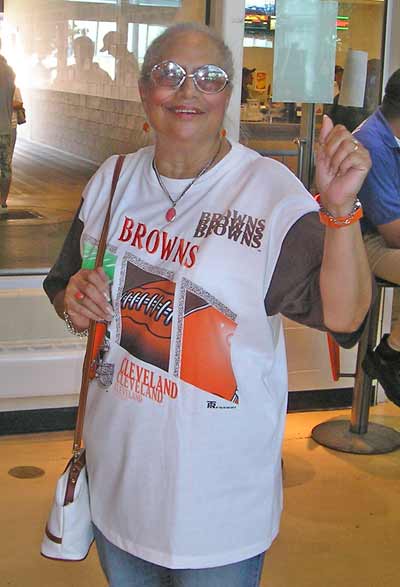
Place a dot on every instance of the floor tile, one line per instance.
(341, 521)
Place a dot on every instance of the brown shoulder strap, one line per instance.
(91, 335)
(104, 232)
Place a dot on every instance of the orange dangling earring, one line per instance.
(146, 127)
(223, 133)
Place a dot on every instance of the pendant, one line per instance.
(170, 215)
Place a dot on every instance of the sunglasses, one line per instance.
(209, 79)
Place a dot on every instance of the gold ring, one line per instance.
(355, 144)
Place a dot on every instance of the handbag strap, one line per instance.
(92, 326)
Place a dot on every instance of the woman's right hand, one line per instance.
(87, 297)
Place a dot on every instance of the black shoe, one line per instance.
(4, 206)
(386, 369)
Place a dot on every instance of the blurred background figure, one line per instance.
(352, 116)
(338, 80)
(247, 80)
(85, 70)
(43, 63)
(126, 63)
(18, 107)
(7, 88)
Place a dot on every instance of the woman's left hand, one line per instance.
(342, 164)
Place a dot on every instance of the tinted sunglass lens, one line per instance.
(211, 79)
(167, 74)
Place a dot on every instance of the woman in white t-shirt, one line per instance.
(185, 421)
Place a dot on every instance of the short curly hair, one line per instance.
(154, 53)
(391, 99)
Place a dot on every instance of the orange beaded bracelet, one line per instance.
(339, 221)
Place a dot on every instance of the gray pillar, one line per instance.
(227, 17)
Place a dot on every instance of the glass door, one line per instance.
(266, 126)
(286, 130)
(77, 64)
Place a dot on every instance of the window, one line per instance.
(146, 34)
(77, 64)
(97, 1)
(166, 3)
(96, 31)
(259, 24)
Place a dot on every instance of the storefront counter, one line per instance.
(277, 131)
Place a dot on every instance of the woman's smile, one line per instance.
(185, 111)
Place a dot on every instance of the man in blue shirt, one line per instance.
(380, 197)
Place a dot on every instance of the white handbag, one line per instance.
(69, 533)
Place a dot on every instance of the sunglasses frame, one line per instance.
(189, 75)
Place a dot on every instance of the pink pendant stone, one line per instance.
(170, 215)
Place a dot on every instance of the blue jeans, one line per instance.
(125, 570)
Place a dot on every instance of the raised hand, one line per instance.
(342, 164)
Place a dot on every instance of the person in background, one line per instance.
(85, 73)
(17, 105)
(126, 64)
(338, 80)
(7, 88)
(247, 80)
(380, 196)
(352, 116)
(209, 243)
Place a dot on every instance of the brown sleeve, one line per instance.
(68, 262)
(294, 289)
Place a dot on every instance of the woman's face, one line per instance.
(186, 113)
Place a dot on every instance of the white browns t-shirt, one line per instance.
(184, 425)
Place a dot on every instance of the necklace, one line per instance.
(171, 212)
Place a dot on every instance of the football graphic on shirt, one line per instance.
(206, 348)
(204, 331)
(146, 316)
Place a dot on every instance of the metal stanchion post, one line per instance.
(362, 392)
(357, 435)
(301, 145)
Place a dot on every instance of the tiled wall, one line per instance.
(77, 64)
(88, 126)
